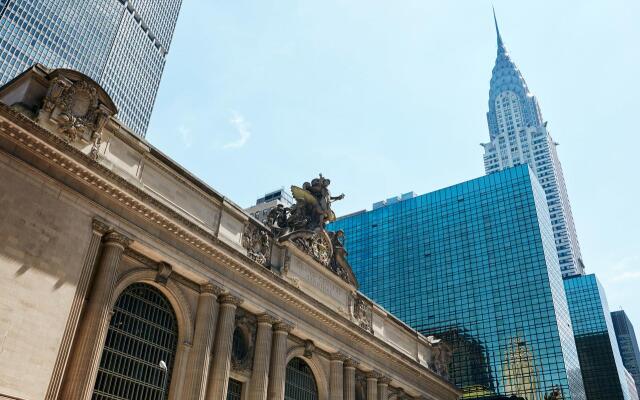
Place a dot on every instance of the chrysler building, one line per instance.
(519, 135)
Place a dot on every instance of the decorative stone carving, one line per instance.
(119, 238)
(242, 355)
(362, 313)
(99, 226)
(227, 298)
(258, 244)
(211, 289)
(76, 108)
(282, 326)
(441, 357)
(309, 348)
(164, 271)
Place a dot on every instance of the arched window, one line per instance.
(138, 354)
(299, 382)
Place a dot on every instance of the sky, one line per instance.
(386, 97)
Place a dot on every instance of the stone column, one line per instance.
(336, 387)
(261, 357)
(98, 229)
(178, 377)
(277, 370)
(350, 379)
(372, 385)
(91, 334)
(221, 362)
(383, 388)
(200, 354)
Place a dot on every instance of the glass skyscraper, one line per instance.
(628, 344)
(475, 264)
(518, 135)
(600, 361)
(121, 44)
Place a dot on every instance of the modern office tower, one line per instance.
(268, 202)
(519, 135)
(121, 44)
(600, 361)
(475, 264)
(628, 344)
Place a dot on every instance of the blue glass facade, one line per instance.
(476, 264)
(628, 344)
(121, 44)
(600, 361)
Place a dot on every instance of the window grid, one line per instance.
(142, 332)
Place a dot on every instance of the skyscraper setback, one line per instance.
(121, 44)
(518, 135)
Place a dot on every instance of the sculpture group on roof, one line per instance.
(304, 224)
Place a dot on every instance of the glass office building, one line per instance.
(600, 361)
(628, 344)
(475, 264)
(121, 44)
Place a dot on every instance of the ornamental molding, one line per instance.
(54, 150)
(246, 323)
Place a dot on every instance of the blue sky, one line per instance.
(386, 97)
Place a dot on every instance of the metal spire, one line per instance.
(501, 47)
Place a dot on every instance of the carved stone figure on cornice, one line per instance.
(258, 244)
(362, 313)
(441, 357)
(242, 356)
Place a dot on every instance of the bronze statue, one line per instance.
(313, 207)
(304, 225)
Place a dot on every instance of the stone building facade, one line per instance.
(124, 276)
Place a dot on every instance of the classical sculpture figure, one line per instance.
(304, 225)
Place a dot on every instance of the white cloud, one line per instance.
(186, 136)
(241, 126)
(625, 269)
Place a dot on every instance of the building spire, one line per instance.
(501, 47)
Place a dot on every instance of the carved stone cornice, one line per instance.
(99, 226)
(210, 288)
(283, 326)
(267, 319)
(228, 298)
(118, 239)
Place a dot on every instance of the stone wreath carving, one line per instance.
(245, 331)
(362, 313)
(258, 244)
(75, 107)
